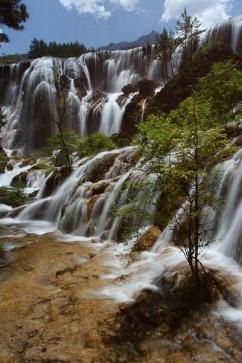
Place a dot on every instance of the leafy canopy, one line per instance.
(13, 13)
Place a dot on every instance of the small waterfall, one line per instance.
(35, 182)
(228, 228)
(83, 204)
(230, 32)
(7, 177)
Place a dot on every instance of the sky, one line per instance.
(99, 22)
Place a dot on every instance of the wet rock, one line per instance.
(97, 94)
(121, 139)
(28, 161)
(102, 168)
(130, 88)
(9, 166)
(80, 87)
(65, 81)
(68, 270)
(146, 87)
(57, 177)
(20, 180)
(148, 239)
(15, 212)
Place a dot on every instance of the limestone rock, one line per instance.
(148, 239)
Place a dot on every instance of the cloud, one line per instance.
(100, 8)
(210, 12)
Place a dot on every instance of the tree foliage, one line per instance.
(182, 148)
(13, 13)
(165, 48)
(39, 48)
(223, 87)
(186, 34)
(75, 145)
(94, 144)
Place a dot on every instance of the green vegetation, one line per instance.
(186, 81)
(3, 161)
(82, 147)
(39, 48)
(13, 14)
(13, 197)
(12, 58)
(94, 144)
(182, 148)
(187, 35)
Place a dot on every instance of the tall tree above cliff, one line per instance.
(13, 13)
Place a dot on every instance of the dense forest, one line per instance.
(39, 48)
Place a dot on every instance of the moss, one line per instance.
(12, 197)
(3, 161)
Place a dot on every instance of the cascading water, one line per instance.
(83, 204)
(94, 81)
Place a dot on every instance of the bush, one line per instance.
(94, 144)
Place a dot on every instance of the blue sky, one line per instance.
(98, 22)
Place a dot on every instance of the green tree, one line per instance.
(223, 87)
(13, 13)
(62, 105)
(165, 48)
(38, 49)
(188, 31)
(94, 144)
(183, 149)
(58, 152)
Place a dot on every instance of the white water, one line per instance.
(7, 177)
(71, 208)
(95, 81)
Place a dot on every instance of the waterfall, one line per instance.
(83, 204)
(230, 32)
(7, 177)
(94, 81)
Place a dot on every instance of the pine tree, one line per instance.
(13, 13)
(188, 31)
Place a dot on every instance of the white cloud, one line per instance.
(210, 12)
(99, 8)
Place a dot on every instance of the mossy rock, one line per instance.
(121, 139)
(3, 161)
(12, 197)
(19, 181)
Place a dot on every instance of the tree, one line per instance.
(183, 152)
(38, 49)
(62, 104)
(13, 13)
(165, 48)
(94, 144)
(58, 152)
(223, 87)
(188, 31)
(198, 149)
